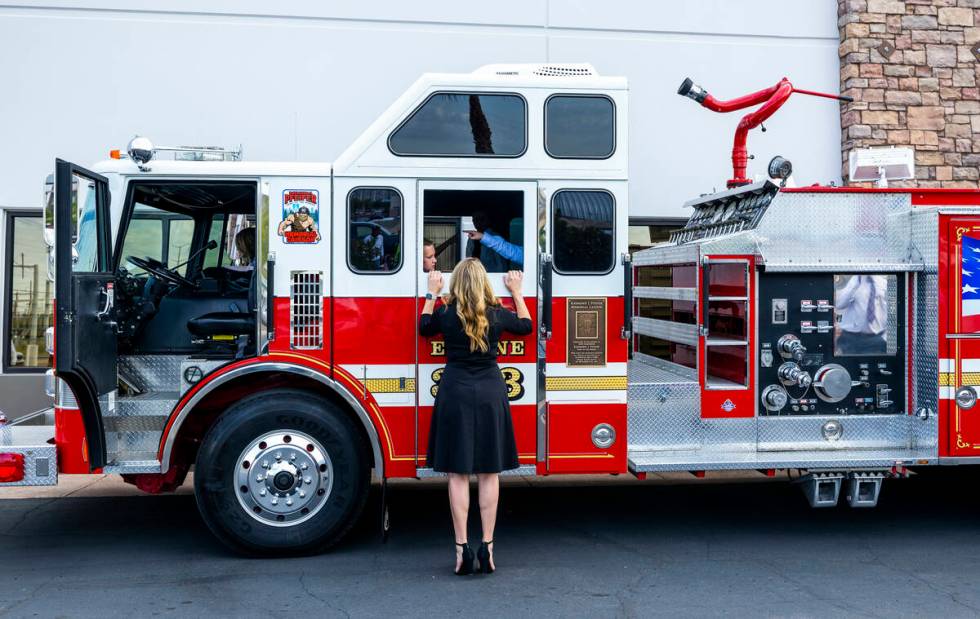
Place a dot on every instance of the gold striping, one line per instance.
(948, 379)
(585, 383)
(390, 385)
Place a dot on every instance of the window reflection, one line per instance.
(28, 305)
(864, 308)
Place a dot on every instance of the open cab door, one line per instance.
(85, 351)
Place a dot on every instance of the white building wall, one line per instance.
(298, 80)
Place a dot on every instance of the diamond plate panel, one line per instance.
(925, 328)
(836, 230)
(646, 461)
(524, 469)
(667, 253)
(134, 465)
(859, 432)
(40, 457)
(663, 409)
(152, 372)
(147, 405)
(119, 443)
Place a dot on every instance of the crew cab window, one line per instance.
(583, 223)
(459, 124)
(374, 219)
(483, 224)
(579, 126)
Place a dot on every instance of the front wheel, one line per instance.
(282, 473)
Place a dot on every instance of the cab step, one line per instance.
(133, 430)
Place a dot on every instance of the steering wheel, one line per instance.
(157, 268)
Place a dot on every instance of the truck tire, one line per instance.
(282, 473)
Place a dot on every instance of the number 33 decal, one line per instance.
(513, 378)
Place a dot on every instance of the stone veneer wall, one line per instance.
(913, 67)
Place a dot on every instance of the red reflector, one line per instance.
(11, 467)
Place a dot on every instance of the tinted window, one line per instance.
(28, 295)
(583, 231)
(579, 126)
(374, 218)
(464, 125)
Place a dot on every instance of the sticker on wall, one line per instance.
(300, 216)
(728, 406)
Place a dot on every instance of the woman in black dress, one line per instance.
(471, 429)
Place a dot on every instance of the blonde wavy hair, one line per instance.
(472, 295)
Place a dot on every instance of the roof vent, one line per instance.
(563, 70)
(540, 70)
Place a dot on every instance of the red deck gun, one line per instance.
(771, 98)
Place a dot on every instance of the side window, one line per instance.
(583, 227)
(27, 307)
(374, 220)
(464, 125)
(579, 126)
(483, 224)
(217, 256)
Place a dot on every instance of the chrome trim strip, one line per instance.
(168, 445)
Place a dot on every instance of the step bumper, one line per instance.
(28, 454)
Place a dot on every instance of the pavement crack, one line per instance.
(308, 592)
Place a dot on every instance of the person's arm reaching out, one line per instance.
(510, 251)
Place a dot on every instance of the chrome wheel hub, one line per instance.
(283, 478)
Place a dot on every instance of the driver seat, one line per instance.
(230, 326)
(217, 324)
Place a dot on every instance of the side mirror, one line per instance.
(48, 205)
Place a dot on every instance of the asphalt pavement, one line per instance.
(615, 547)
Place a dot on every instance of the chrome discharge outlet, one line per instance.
(790, 347)
(790, 373)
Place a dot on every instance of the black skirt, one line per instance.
(471, 430)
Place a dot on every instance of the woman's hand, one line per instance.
(513, 281)
(435, 282)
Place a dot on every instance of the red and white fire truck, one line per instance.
(258, 321)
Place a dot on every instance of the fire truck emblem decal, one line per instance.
(728, 406)
(300, 216)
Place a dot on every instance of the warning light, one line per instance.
(11, 467)
(115, 154)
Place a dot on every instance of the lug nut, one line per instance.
(307, 480)
(304, 466)
(289, 501)
(262, 492)
(274, 501)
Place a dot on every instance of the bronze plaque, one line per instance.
(586, 332)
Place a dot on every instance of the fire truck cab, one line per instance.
(258, 321)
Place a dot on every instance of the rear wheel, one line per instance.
(282, 473)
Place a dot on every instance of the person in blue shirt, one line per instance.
(495, 252)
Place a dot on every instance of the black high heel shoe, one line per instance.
(483, 554)
(466, 564)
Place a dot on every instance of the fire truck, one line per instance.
(257, 322)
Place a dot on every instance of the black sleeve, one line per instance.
(429, 323)
(510, 323)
